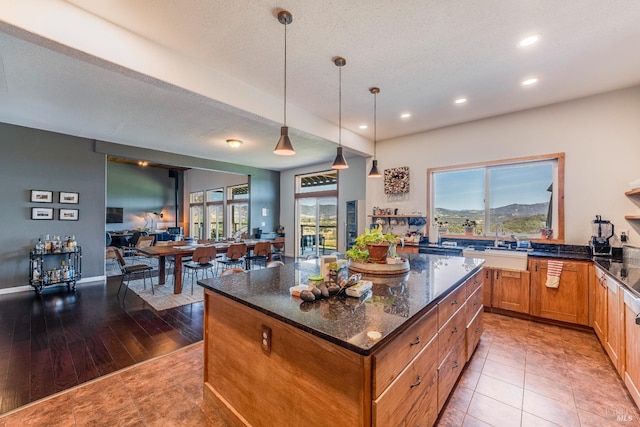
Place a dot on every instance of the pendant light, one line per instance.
(374, 168)
(339, 162)
(284, 146)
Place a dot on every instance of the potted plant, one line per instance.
(442, 225)
(372, 246)
(469, 225)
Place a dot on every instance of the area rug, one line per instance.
(163, 296)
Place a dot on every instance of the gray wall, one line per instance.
(141, 191)
(39, 160)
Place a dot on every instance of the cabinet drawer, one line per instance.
(452, 333)
(448, 372)
(415, 383)
(451, 304)
(474, 332)
(474, 282)
(393, 358)
(474, 303)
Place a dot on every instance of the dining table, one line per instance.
(180, 250)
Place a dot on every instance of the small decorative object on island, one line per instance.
(469, 225)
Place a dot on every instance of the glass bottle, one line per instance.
(64, 271)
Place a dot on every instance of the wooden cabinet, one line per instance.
(511, 290)
(600, 305)
(632, 344)
(569, 302)
(615, 323)
(487, 286)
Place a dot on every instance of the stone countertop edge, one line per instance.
(217, 285)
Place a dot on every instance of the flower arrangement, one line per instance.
(469, 223)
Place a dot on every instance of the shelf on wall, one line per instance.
(632, 217)
(635, 192)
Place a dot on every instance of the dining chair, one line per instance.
(277, 253)
(235, 256)
(272, 264)
(260, 255)
(230, 271)
(201, 260)
(130, 270)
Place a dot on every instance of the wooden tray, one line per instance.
(380, 269)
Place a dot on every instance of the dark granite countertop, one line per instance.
(625, 272)
(394, 302)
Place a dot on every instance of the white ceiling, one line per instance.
(184, 76)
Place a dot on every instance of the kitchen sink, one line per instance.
(499, 257)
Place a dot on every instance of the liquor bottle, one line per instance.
(65, 271)
(35, 271)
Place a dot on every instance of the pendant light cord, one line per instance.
(285, 74)
(340, 107)
(375, 121)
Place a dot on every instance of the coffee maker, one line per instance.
(602, 232)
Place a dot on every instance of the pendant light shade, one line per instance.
(284, 146)
(339, 162)
(373, 173)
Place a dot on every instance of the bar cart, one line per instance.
(50, 268)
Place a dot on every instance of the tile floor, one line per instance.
(522, 374)
(525, 374)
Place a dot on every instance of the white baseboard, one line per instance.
(28, 288)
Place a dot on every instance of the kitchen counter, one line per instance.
(390, 357)
(625, 272)
(345, 320)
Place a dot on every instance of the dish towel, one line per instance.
(554, 269)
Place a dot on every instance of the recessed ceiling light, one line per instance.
(405, 115)
(363, 126)
(460, 101)
(234, 143)
(530, 81)
(529, 40)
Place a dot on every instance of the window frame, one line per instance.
(559, 233)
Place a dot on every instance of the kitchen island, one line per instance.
(389, 357)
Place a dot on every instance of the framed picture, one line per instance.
(66, 197)
(41, 213)
(40, 196)
(68, 214)
(396, 180)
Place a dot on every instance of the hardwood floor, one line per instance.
(59, 340)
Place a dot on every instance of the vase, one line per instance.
(378, 252)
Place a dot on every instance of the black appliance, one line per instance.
(602, 232)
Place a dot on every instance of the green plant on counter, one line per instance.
(360, 253)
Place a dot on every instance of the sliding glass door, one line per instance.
(317, 219)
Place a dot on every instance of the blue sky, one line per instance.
(528, 184)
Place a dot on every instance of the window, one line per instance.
(518, 196)
(237, 197)
(215, 213)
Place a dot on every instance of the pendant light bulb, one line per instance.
(284, 146)
(339, 162)
(373, 173)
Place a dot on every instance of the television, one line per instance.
(115, 215)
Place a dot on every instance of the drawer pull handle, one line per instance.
(416, 342)
(454, 302)
(454, 330)
(418, 383)
(455, 365)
